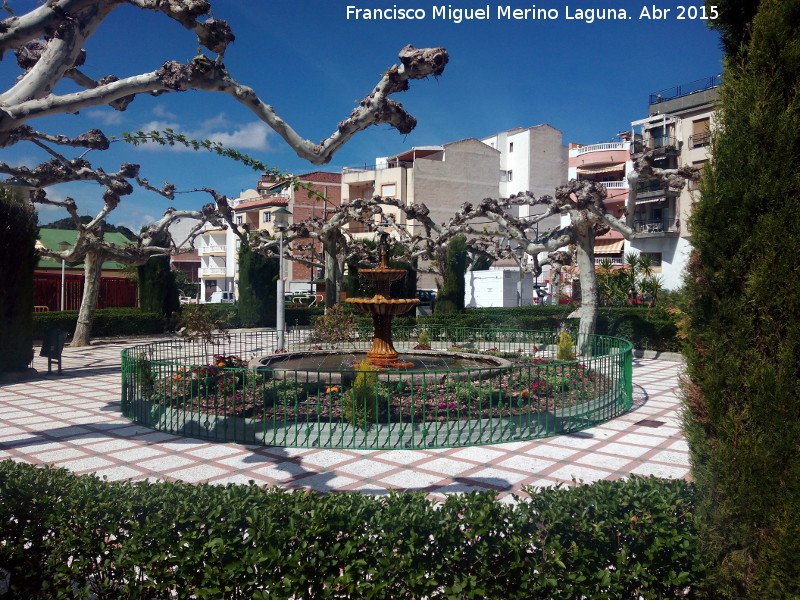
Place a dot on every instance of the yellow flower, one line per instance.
(220, 364)
(331, 390)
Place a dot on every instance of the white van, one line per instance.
(221, 297)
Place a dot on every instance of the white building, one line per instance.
(217, 249)
(532, 159)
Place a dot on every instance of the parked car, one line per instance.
(220, 297)
(426, 297)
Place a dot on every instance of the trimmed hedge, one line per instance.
(107, 322)
(649, 328)
(67, 536)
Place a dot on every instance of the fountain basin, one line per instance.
(378, 305)
(337, 366)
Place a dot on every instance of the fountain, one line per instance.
(383, 309)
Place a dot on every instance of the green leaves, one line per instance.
(154, 540)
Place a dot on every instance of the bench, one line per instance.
(53, 346)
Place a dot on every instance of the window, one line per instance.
(699, 165)
(701, 133)
(655, 258)
(389, 190)
(267, 216)
(511, 146)
(510, 175)
(238, 220)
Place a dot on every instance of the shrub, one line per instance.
(79, 536)
(257, 288)
(743, 350)
(336, 326)
(450, 297)
(566, 347)
(18, 257)
(359, 407)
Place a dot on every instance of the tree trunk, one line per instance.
(588, 277)
(92, 270)
(331, 274)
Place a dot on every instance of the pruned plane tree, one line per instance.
(49, 45)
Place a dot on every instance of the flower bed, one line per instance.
(221, 398)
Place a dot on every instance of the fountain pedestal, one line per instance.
(383, 309)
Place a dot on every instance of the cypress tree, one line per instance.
(158, 290)
(450, 297)
(18, 257)
(257, 288)
(743, 352)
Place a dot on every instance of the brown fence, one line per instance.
(114, 291)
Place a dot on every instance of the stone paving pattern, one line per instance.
(74, 421)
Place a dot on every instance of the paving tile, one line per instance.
(579, 473)
(197, 473)
(502, 478)
(165, 463)
(61, 454)
(672, 457)
(667, 472)
(89, 463)
(326, 458)
(446, 465)
(136, 454)
(325, 482)
(529, 464)
(408, 479)
(549, 451)
(613, 463)
(282, 471)
(622, 449)
(479, 454)
(217, 451)
(118, 473)
(364, 468)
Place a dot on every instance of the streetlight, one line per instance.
(280, 219)
(63, 247)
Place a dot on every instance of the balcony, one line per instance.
(700, 140)
(213, 249)
(600, 147)
(654, 189)
(392, 164)
(615, 185)
(686, 89)
(212, 271)
(614, 260)
(661, 146)
(657, 227)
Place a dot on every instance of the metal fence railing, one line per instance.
(219, 390)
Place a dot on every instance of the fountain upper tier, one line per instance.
(383, 308)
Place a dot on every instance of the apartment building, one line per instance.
(441, 177)
(321, 195)
(532, 159)
(678, 131)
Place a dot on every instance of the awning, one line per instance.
(606, 169)
(608, 246)
(650, 201)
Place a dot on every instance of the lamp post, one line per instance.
(280, 218)
(62, 246)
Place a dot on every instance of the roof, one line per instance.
(50, 238)
(265, 203)
(321, 177)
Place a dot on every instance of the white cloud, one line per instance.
(106, 117)
(252, 136)
(160, 111)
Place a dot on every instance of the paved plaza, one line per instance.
(74, 421)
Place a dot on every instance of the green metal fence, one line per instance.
(214, 390)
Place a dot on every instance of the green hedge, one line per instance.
(649, 328)
(62, 534)
(107, 322)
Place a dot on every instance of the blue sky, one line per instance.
(312, 64)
